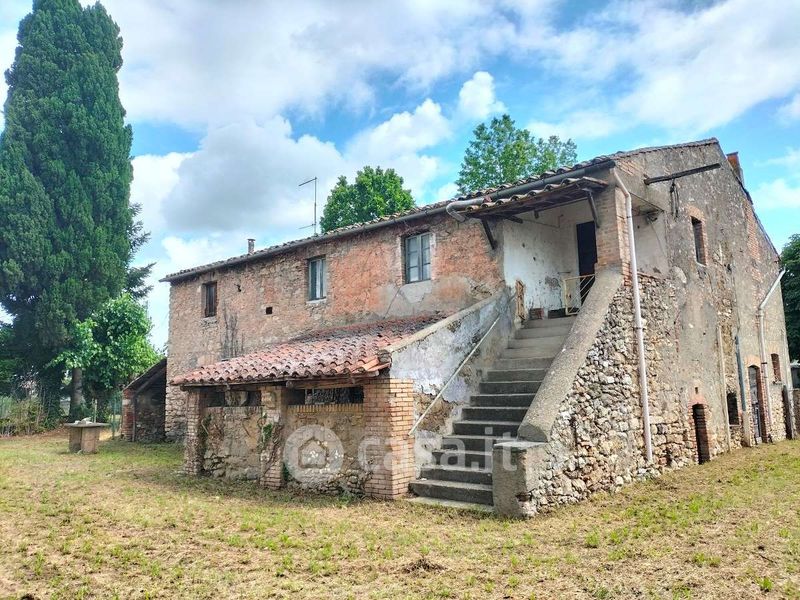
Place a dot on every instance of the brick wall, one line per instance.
(365, 283)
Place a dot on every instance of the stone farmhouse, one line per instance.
(523, 346)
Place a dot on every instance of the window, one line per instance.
(733, 409)
(210, 299)
(316, 278)
(417, 257)
(699, 241)
(323, 396)
(776, 368)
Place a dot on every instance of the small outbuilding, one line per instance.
(143, 405)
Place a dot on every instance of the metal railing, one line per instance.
(461, 365)
(574, 291)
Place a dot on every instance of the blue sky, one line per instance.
(235, 103)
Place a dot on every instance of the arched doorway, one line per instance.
(787, 414)
(701, 433)
(757, 403)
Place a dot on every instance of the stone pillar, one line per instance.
(195, 437)
(388, 450)
(126, 428)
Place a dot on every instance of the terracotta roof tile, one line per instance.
(344, 351)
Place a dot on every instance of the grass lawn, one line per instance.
(123, 523)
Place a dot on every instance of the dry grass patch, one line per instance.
(124, 523)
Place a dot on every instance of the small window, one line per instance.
(417, 257)
(316, 278)
(323, 396)
(733, 409)
(210, 299)
(776, 368)
(699, 241)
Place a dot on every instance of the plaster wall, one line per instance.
(541, 252)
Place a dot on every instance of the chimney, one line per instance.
(733, 160)
(251, 245)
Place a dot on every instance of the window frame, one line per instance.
(776, 368)
(422, 251)
(318, 287)
(210, 308)
(699, 235)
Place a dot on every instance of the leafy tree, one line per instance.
(67, 232)
(375, 193)
(501, 153)
(111, 346)
(9, 363)
(790, 287)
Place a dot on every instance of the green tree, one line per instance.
(9, 363)
(790, 288)
(111, 347)
(375, 193)
(501, 153)
(65, 174)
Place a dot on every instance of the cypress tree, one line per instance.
(65, 177)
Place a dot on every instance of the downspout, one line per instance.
(763, 347)
(523, 188)
(637, 319)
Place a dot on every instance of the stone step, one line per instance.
(547, 353)
(507, 364)
(456, 458)
(472, 443)
(494, 413)
(503, 375)
(509, 387)
(555, 322)
(553, 341)
(493, 428)
(503, 400)
(451, 504)
(450, 490)
(538, 332)
(460, 474)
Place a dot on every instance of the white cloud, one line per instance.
(791, 159)
(476, 99)
(791, 110)
(154, 178)
(777, 194)
(204, 62)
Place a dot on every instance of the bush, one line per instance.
(21, 416)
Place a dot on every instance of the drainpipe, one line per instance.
(523, 188)
(637, 320)
(763, 347)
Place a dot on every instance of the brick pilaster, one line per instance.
(388, 449)
(126, 427)
(195, 440)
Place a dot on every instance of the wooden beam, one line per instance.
(489, 235)
(593, 206)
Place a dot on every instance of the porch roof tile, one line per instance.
(344, 351)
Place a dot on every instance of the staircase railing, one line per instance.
(477, 345)
(574, 291)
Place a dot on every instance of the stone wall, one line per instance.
(232, 441)
(265, 300)
(337, 458)
(355, 448)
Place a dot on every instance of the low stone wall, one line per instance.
(232, 436)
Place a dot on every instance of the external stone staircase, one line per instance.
(462, 468)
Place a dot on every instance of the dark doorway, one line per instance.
(787, 414)
(587, 255)
(701, 433)
(757, 403)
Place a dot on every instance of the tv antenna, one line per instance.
(314, 224)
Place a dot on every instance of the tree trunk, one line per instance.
(76, 394)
